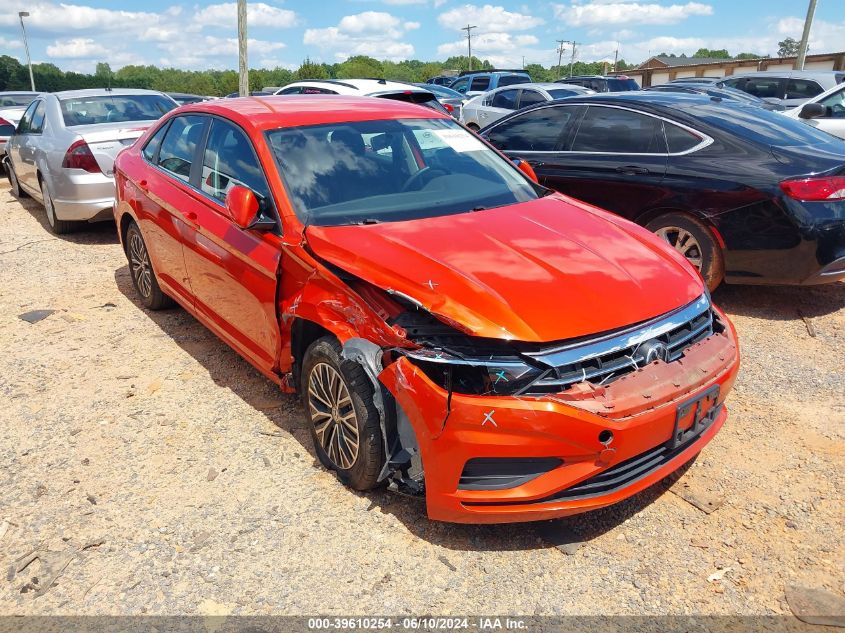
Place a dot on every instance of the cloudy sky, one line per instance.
(197, 35)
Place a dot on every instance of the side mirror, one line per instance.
(241, 206)
(812, 111)
(525, 167)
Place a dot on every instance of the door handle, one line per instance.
(190, 215)
(631, 170)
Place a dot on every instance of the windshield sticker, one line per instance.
(459, 140)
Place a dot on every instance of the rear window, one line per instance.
(509, 80)
(620, 85)
(114, 108)
(480, 83)
(11, 101)
(760, 126)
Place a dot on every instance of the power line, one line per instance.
(468, 28)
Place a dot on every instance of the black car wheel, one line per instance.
(338, 398)
(13, 181)
(692, 239)
(57, 226)
(141, 269)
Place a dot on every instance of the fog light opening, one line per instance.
(606, 437)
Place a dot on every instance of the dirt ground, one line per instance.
(154, 471)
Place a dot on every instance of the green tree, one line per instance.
(788, 47)
(716, 53)
(359, 66)
(310, 70)
(748, 56)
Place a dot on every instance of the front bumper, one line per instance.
(639, 410)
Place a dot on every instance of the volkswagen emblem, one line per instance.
(654, 350)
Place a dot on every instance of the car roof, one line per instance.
(358, 86)
(642, 98)
(789, 73)
(19, 92)
(104, 92)
(263, 113)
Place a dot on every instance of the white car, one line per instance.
(491, 106)
(364, 88)
(830, 117)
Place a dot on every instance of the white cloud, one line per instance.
(489, 18)
(372, 33)
(225, 15)
(404, 2)
(77, 47)
(6, 43)
(605, 13)
(825, 37)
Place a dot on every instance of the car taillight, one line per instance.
(449, 108)
(809, 189)
(79, 156)
(4, 122)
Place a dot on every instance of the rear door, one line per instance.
(166, 200)
(616, 160)
(233, 271)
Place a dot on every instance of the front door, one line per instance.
(234, 271)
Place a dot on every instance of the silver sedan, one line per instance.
(62, 152)
(491, 106)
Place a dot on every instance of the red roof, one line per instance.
(262, 113)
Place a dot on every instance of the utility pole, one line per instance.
(805, 36)
(469, 29)
(243, 67)
(615, 57)
(572, 59)
(21, 16)
(560, 54)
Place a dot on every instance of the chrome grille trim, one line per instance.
(578, 352)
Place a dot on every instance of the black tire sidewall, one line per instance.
(712, 266)
(157, 299)
(14, 182)
(368, 464)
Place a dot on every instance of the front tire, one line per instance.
(15, 185)
(57, 226)
(141, 270)
(695, 241)
(344, 422)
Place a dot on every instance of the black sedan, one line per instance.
(746, 195)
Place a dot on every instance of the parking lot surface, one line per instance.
(152, 470)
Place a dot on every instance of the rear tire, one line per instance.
(695, 241)
(13, 182)
(141, 270)
(344, 422)
(57, 226)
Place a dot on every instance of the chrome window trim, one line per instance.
(706, 140)
(577, 352)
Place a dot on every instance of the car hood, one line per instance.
(539, 271)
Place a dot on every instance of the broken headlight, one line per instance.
(506, 375)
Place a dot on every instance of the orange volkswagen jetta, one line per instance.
(455, 330)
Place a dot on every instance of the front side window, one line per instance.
(179, 145)
(294, 90)
(618, 131)
(114, 108)
(460, 85)
(229, 160)
(836, 104)
(433, 168)
(504, 99)
(536, 130)
(802, 89)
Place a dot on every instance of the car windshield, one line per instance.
(114, 108)
(392, 170)
(618, 85)
(761, 126)
(11, 101)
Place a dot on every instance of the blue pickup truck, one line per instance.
(472, 84)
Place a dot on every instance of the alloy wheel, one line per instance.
(139, 261)
(684, 242)
(333, 415)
